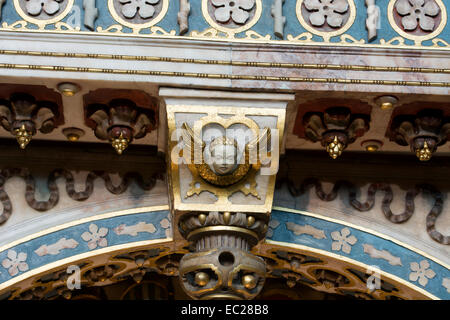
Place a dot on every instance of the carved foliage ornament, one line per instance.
(120, 116)
(423, 132)
(144, 8)
(35, 7)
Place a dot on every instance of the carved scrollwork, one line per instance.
(298, 189)
(53, 199)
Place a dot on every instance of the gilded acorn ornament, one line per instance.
(120, 143)
(335, 148)
(23, 136)
(425, 153)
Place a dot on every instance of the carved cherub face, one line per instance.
(224, 154)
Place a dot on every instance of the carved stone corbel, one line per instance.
(115, 116)
(223, 163)
(222, 266)
(120, 123)
(335, 128)
(23, 116)
(423, 132)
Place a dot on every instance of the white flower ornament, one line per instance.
(35, 7)
(329, 11)
(343, 240)
(421, 272)
(144, 8)
(417, 12)
(15, 262)
(96, 236)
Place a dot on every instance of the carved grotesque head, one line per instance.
(224, 155)
(227, 273)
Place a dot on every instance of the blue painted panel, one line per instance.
(159, 219)
(281, 233)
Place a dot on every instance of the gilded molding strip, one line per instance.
(81, 221)
(224, 76)
(363, 229)
(225, 62)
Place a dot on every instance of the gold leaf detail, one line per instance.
(304, 37)
(346, 38)
(394, 41)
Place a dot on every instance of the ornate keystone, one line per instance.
(222, 266)
(120, 120)
(23, 116)
(423, 132)
(335, 128)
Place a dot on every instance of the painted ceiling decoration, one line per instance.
(381, 23)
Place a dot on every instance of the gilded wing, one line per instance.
(257, 149)
(193, 145)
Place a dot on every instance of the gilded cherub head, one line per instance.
(224, 155)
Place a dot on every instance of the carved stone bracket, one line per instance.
(424, 132)
(222, 266)
(335, 128)
(120, 120)
(223, 185)
(23, 115)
